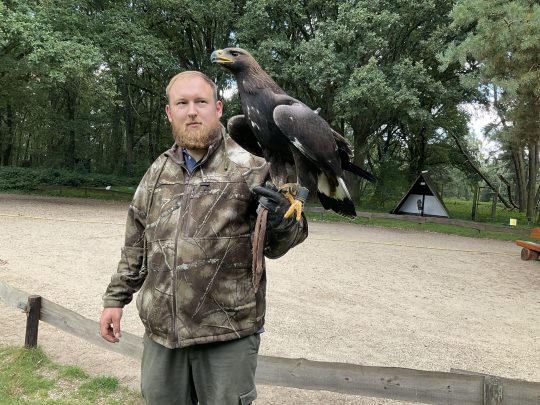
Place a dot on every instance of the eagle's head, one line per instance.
(234, 59)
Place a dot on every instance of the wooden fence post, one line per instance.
(475, 202)
(493, 391)
(33, 310)
(494, 203)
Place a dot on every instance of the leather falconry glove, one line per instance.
(276, 204)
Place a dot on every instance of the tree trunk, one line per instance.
(130, 123)
(536, 202)
(8, 144)
(155, 139)
(116, 156)
(360, 145)
(97, 162)
(2, 140)
(533, 171)
(150, 129)
(71, 159)
(521, 178)
(516, 151)
(421, 152)
(509, 190)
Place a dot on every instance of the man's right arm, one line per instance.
(130, 274)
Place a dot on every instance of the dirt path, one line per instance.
(348, 294)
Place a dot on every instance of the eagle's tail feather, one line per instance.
(351, 167)
(334, 196)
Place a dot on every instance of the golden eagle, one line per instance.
(289, 135)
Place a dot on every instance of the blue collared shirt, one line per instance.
(189, 160)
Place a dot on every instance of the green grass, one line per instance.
(427, 227)
(72, 372)
(92, 389)
(28, 377)
(460, 209)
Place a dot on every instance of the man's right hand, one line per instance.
(109, 324)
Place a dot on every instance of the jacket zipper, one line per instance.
(179, 229)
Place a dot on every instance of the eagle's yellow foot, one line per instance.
(289, 197)
(296, 195)
(296, 206)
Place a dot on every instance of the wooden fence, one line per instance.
(433, 220)
(429, 387)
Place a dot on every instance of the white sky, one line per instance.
(480, 117)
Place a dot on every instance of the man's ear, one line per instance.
(219, 108)
(168, 111)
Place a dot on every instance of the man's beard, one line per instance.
(201, 138)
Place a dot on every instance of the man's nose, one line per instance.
(192, 110)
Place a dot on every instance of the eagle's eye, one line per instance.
(235, 54)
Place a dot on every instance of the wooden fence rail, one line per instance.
(429, 387)
(434, 220)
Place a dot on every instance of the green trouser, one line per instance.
(220, 373)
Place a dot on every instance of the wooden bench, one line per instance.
(530, 250)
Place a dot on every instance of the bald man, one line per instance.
(188, 251)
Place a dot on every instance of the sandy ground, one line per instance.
(350, 293)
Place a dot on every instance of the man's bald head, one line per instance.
(186, 75)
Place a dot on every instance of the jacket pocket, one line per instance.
(142, 300)
(248, 397)
(219, 209)
(139, 299)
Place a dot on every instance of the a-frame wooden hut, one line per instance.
(422, 199)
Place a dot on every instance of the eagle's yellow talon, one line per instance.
(296, 206)
(290, 197)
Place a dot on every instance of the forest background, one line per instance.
(82, 85)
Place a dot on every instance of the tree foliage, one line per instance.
(504, 44)
(372, 68)
(82, 82)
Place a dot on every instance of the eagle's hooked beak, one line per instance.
(219, 57)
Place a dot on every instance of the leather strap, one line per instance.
(259, 235)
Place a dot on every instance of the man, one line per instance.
(188, 249)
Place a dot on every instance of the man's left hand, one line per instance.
(276, 204)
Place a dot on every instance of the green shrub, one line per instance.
(13, 178)
(18, 178)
